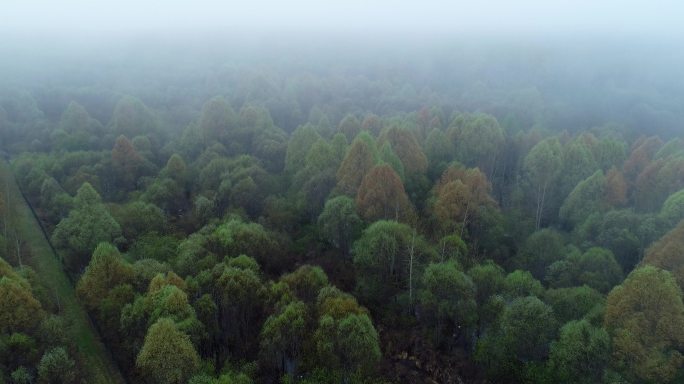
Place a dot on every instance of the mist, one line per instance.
(494, 17)
(341, 191)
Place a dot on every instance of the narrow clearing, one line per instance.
(93, 353)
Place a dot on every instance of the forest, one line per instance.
(326, 211)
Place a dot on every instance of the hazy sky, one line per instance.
(654, 17)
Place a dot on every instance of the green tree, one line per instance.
(439, 151)
(479, 139)
(56, 367)
(283, 336)
(19, 309)
(167, 356)
(488, 279)
(139, 218)
(339, 223)
(541, 166)
(349, 345)
(349, 126)
(106, 270)
(523, 336)
(359, 160)
(240, 295)
(390, 257)
(132, 118)
(645, 318)
(305, 282)
(596, 268)
(447, 302)
(666, 253)
(581, 354)
(87, 225)
(521, 283)
(573, 303)
(127, 164)
(301, 141)
(587, 198)
(540, 250)
(389, 157)
(76, 121)
(217, 120)
(236, 237)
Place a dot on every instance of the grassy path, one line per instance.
(101, 369)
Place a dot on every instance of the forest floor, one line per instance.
(93, 355)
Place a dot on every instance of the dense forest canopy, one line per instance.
(234, 208)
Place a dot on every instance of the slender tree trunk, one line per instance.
(16, 240)
(465, 218)
(411, 253)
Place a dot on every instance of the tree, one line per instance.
(672, 211)
(540, 250)
(349, 344)
(359, 160)
(283, 336)
(666, 253)
(645, 318)
(388, 156)
(21, 376)
(541, 166)
(521, 283)
(87, 225)
(305, 282)
(79, 127)
(19, 309)
(240, 296)
(525, 331)
(389, 257)
(56, 367)
(596, 268)
(167, 356)
(439, 151)
(349, 126)
(372, 123)
(217, 120)
(573, 303)
(139, 218)
(127, 163)
(132, 118)
(479, 139)
(587, 198)
(581, 354)
(488, 279)
(461, 195)
(407, 149)
(176, 170)
(339, 223)
(55, 202)
(235, 237)
(382, 196)
(447, 302)
(641, 155)
(577, 164)
(106, 270)
(301, 141)
(615, 188)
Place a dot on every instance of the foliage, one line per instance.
(167, 355)
(645, 316)
(87, 225)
